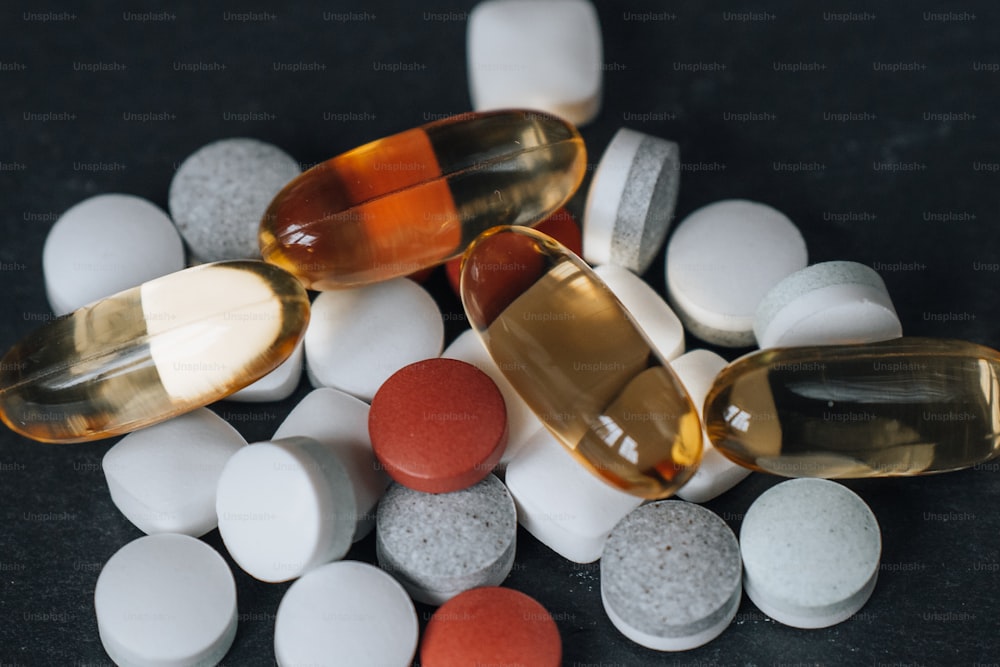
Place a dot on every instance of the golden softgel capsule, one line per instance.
(572, 351)
(152, 352)
(907, 406)
(417, 198)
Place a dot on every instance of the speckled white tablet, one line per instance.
(565, 506)
(630, 203)
(722, 260)
(715, 474)
(166, 601)
(277, 385)
(163, 478)
(339, 421)
(220, 192)
(440, 544)
(358, 337)
(536, 54)
(346, 613)
(285, 507)
(811, 550)
(651, 312)
(106, 244)
(670, 576)
(827, 304)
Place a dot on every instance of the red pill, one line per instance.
(491, 626)
(438, 425)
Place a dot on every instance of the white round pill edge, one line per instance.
(649, 310)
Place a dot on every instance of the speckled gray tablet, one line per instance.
(220, 192)
(440, 544)
(670, 576)
(631, 201)
(811, 550)
(826, 304)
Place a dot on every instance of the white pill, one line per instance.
(565, 506)
(285, 507)
(277, 385)
(630, 203)
(220, 193)
(104, 245)
(536, 54)
(163, 478)
(166, 601)
(358, 337)
(722, 260)
(826, 304)
(650, 311)
(715, 474)
(345, 613)
(811, 550)
(339, 421)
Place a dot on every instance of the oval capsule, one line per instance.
(573, 352)
(417, 198)
(152, 352)
(907, 406)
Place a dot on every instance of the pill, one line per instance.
(653, 315)
(417, 198)
(220, 192)
(491, 626)
(563, 505)
(163, 477)
(345, 613)
(440, 544)
(357, 338)
(152, 352)
(166, 601)
(715, 474)
(900, 407)
(285, 507)
(631, 199)
(721, 261)
(825, 304)
(539, 54)
(811, 550)
(671, 576)
(577, 358)
(106, 244)
(339, 422)
(277, 385)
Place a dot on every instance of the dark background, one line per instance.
(909, 186)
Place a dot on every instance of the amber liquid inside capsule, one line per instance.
(574, 354)
(417, 198)
(908, 406)
(152, 352)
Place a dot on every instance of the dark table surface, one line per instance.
(875, 128)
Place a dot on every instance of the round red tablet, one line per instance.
(438, 425)
(491, 626)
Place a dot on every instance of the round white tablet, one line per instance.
(285, 507)
(670, 576)
(345, 613)
(650, 311)
(722, 260)
(163, 478)
(166, 601)
(277, 385)
(811, 550)
(104, 245)
(630, 203)
(358, 337)
(827, 304)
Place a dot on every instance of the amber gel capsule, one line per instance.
(907, 406)
(152, 352)
(572, 351)
(417, 198)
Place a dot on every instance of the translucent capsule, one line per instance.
(152, 352)
(907, 406)
(418, 198)
(574, 354)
